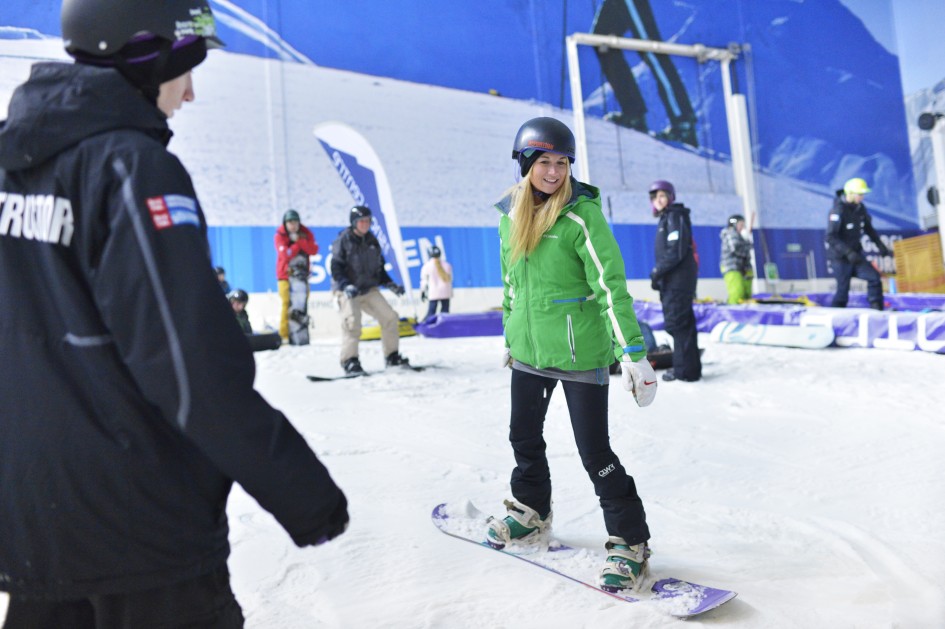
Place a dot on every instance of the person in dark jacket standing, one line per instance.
(849, 222)
(357, 272)
(674, 276)
(126, 383)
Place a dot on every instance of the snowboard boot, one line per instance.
(625, 566)
(394, 359)
(352, 367)
(521, 525)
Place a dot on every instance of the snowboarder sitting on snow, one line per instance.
(238, 299)
(735, 260)
(126, 385)
(849, 222)
(357, 272)
(567, 315)
(294, 244)
(436, 282)
(221, 277)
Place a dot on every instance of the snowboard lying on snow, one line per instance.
(672, 596)
(805, 337)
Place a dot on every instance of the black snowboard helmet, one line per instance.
(358, 212)
(238, 295)
(734, 218)
(149, 42)
(542, 135)
(434, 252)
(219, 270)
(290, 215)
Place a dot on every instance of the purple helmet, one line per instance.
(665, 186)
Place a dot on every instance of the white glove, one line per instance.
(640, 379)
(506, 359)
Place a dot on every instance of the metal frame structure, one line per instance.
(934, 123)
(736, 110)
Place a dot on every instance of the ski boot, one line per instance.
(625, 566)
(352, 367)
(395, 359)
(521, 525)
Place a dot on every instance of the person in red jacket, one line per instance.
(294, 244)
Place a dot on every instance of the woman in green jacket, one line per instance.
(567, 315)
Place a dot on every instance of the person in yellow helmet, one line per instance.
(849, 221)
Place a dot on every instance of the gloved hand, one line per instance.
(334, 525)
(506, 359)
(654, 280)
(853, 257)
(351, 291)
(397, 289)
(423, 295)
(640, 379)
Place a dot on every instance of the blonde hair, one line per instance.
(441, 271)
(531, 218)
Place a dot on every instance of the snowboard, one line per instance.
(298, 301)
(349, 376)
(675, 597)
(805, 337)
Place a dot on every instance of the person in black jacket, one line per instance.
(674, 276)
(848, 223)
(357, 272)
(238, 300)
(126, 384)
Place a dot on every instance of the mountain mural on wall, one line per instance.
(825, 97)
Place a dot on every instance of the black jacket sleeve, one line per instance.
(175, 331)
(339, 263)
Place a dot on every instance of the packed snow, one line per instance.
(809, 481)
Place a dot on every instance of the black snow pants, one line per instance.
(844, 272)
(205, 602)
(531, 478)
(680, 322)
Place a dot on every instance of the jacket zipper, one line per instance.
(571, 340)
(528, 312)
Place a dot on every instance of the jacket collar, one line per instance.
(579, 190)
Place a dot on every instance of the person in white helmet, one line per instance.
(849, 221)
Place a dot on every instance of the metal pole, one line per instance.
(577, 105)
(736, 112)
(699, 51)
(938, 153)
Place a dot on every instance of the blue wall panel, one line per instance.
(249, 257)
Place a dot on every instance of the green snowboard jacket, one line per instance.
(566, 304)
